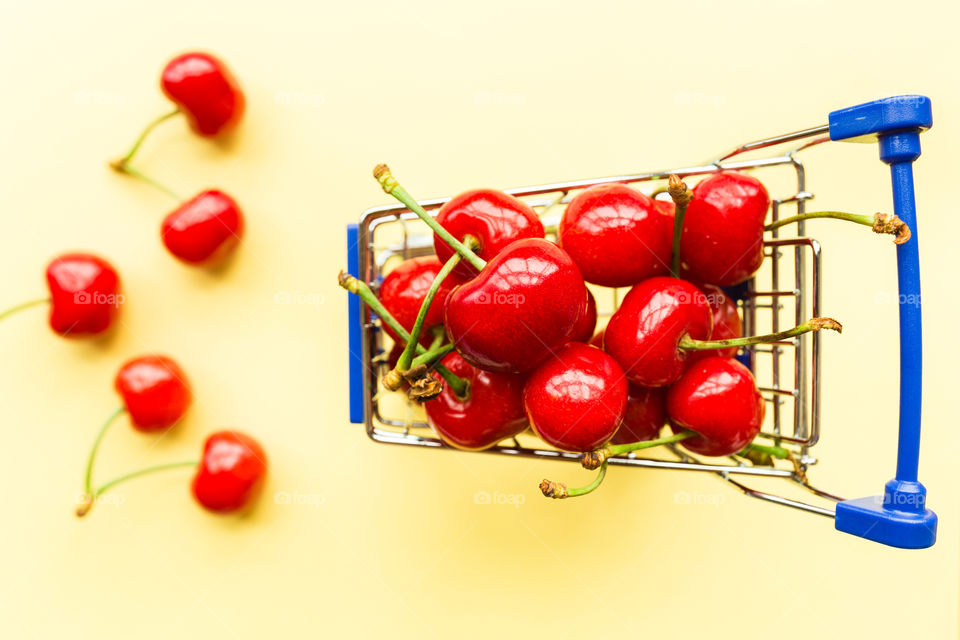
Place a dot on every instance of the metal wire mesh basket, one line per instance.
(786, 291)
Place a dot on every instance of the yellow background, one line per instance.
(453, 96)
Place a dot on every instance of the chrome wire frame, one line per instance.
(803, 421)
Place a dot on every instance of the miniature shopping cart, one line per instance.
(785, 292)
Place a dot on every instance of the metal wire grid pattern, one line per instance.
(795, 427)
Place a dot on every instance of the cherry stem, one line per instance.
(90, 499)
(390, 186)
(153, 183)
(121, 164)
(432, 355)
(360, 288)
(777, 452)
(681, 196)
(403, 363)
(88, 478)
(813, 324)
(21, 307)
(593, 459)
(879, 222)
(559, 490)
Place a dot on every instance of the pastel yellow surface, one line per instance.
(380, 540)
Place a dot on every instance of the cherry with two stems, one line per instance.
(84, 298)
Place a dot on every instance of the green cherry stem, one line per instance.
(21, 307)
(390, 186)
(681, 196)
(356, 286)
(121, 164)
(879, 222)
(90, 499)
(559, 490)
(150, 181)
(776, 452)
(813, 324)
(88, 477)
(432, 355)
(593, 459)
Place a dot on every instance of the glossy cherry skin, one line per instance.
(155, 392)
(84, 295)
(576, 399)
(583, 332)
(718, 398)
(204, 230)
(722, 241)
(491, 411)
(645, 415)
(644, 333)
(726, 322)
(616, 235)
(494, 218)
(523, 306)
(231, 472)
(404, 289)
(204, 89)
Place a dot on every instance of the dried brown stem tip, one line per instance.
(593, 459)
(890, 223)
(425, 388)
(379, 170)
(826, 323)
(552, 489)
(348, 282)
(84, 507)
(679, 191)
(392, 381)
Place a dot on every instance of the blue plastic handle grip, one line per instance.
(354, 342)
(899, 516)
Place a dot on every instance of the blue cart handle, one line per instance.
(899, 516)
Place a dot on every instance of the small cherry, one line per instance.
(726, 322)
(493, 218)
(645, 332)
(583, 332)
(718, 399)
(205, 91)
(84, 296)
(722, 238)
(231, 472)
(523, 306)
(616, 235)
(404, 289)
(491, 410)
(156, 395)
(645, 415)
(576, 400)
(204, 230)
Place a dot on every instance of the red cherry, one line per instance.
(403, 290)
(644, 417)
(617, 236)
(722, 241)
(645, 332)
(717, 398)
(492, 410)
(203, 230)
(583, 332)
(493, 218)
(597, 339)
(522, 307)
(84, 294)
(231, 472)
(155, 392)
(205, 90)
(726, 322)
(576, 399)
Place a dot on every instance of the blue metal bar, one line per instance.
(354, 327)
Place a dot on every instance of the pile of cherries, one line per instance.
(496, 332)
(85, 299)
